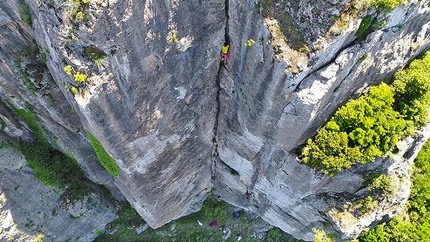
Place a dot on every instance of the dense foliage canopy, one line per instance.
(370, 126)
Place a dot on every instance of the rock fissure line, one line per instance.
(333, 93)
(257, 171)
(215, 154)
(331, 61)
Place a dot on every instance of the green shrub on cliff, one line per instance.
(413, 223)
(321, 236)
(370, 126)
(95, 54)
(388, 4)
(412, 87)
(359, 132)
(50, 166)
(384, 183)
(364, 25)
(25, 15)
(107, 162)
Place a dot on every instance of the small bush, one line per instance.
(174, 37)
(80, 77)
(267, 4)
(384, 183)
(249, 43)
(274, 235)
(304, 49)
(367, 204)
(80, 3)
(321, 236)
(98, 232)
(25, 15)
(363, 58)
(388, 4)
(77, 14)
(107, 162)
(364, 25)
(39, 237)
(74, 90)
(80, 16)
(95, 54)
(68, 69)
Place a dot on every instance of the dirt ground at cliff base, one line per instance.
(196, 227)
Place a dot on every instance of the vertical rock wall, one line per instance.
(267, 113)
(29, 208)
(177, 122)
(151, 101)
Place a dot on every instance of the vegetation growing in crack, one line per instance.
(50, 166)
(95, 54)
(287, 26)
(78, 9)
(356, 8)
(362, 58)
(30, 58)
(384, 184)
(25, 15)
(79, 77)
(77, 15)
(364, 25)
(107, 162)
(370, 126)
(39, 237)
(26, 77)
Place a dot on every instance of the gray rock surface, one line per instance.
(29, 208)
(271, 113)
(179, 124)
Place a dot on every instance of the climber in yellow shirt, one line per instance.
(224, 52)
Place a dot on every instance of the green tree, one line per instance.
(412, 87)
(360, 131)
(370, 126)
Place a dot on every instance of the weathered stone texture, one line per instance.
(27, 207)
(178, 123)
(271, 113)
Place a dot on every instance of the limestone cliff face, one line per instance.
(179, 124)
(29, 208)
(272, 112)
